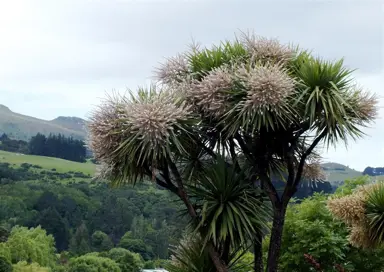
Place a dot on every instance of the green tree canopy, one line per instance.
(128, 261)
(136, 245)
(29, 267)
(80, 241)
(91, 263)
(31, 245)
(101, 241)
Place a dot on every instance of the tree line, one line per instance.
(34, 234)
(52, 145)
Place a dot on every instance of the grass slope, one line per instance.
(337, 172)
(47, 163)
(22, 127)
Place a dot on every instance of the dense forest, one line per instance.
(126, 229)
(88, 216)
(57, 146)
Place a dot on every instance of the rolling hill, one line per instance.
(337, 172)
(22, 127)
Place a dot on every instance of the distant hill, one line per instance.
(22, 127)
(337, 173)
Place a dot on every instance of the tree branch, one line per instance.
(305, 155)
(232, 151)
(180, 188)
(244, 147)
(270, 190)
(290, 161)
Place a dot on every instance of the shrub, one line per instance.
(91, 263)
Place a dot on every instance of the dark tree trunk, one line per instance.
(276, 237)
(216, 259)
(258, 251)
(226, 251)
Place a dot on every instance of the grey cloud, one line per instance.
(353, 29)
(59, 57)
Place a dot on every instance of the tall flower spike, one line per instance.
(174, 70)
(211, 92)
(267, 87)
(267, 50)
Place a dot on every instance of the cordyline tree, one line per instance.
(258, 107)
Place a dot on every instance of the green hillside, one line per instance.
(22, 127)
(47, 163)
(337, 172)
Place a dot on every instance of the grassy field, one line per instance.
(48, 163)
(335, 172)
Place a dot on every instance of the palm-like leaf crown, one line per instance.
(190, 256)
(230, 206)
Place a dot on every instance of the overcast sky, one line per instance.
(60, 57)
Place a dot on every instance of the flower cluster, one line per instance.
(267, 50)
(147, 120)
(105, 130)
(211, 93)
(174, 70)
(313, 172)
(152, 121)
(366, 107)
(267, 86)
(352, 210)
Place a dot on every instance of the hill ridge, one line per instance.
(23, 127)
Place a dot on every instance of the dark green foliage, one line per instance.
(313, 234)
(136, 245)
(92, 263)
(150, 213)
(311, 229)
(375, 213)
(5, 266)
(54, 224)
(101, 241)
(209, 59)
(58, 146)
(9, 174)
(4, 234)
(128, 261)
(10, 145)
(189, 256)
(228, 202)
(80, 241)
(149, 265)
